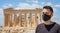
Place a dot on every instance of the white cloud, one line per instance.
(42, 3)
(27, 6)
(34, 1)
(48, 3)
(31, 0)
(1, 11)
(31, 6)
(54, 9)
(28, 0)
(35, 5)
(56, 19)
(1, 17)
(10, 5)
(58, 5)
(7, 5)
(23, 5)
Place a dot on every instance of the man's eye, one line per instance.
(46, 13)
(43, 12)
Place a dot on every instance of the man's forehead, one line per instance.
(45, 10)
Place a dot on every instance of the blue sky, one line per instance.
(28, 4)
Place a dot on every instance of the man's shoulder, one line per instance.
(40, 24)
(57, 25)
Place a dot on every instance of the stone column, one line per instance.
(6, 19)
(30, 20)
(34, 17)
(14, 19)
(20, 19)
(40, 20)
(23, 20)
(17, 19)
(10, 20)
(35, 23)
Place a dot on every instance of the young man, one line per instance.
(48, 26)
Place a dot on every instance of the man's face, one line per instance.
(47, 11)
(47, 14)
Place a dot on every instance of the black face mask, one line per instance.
(46, 17)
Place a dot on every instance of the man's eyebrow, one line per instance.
(46, 11)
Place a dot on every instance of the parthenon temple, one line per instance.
(25, 18)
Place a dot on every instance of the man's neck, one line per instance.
(48, 22)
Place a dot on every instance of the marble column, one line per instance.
(6, 19)
(10, 20)
(14, 19)
(20, 19)
(23, 20)
(30, 20)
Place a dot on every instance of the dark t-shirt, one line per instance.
(48, 27)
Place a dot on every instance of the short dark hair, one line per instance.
(48, 7)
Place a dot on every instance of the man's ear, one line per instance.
(52, 15)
